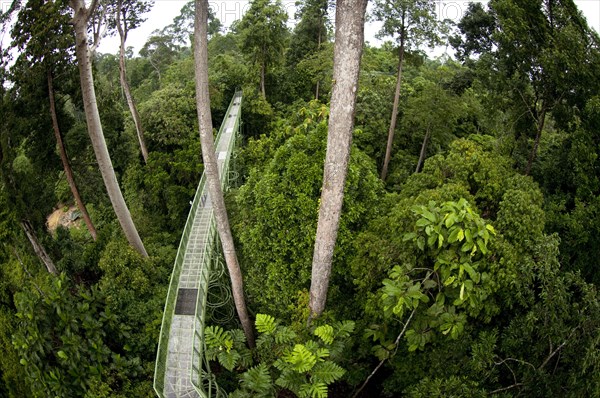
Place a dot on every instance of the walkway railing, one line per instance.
(197, 258)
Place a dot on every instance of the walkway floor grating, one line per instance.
(186, 302)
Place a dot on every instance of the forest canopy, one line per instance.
(465, 252)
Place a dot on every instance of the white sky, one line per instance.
(228, 11)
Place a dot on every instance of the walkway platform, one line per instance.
(181, 370)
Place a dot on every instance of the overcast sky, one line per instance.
(227, 11)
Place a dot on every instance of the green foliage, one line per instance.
(263, 35)
(304, 367)
(134, 289)
(300, 359)
(278, 209)
(56, 329)
(451, 387)
(11, 370)
(169, 118)
(451, 273)
(257, 380)
(229, 347)
(265, 323)
(158, 193)
(309, 59)
(414, 22)
(325, 332)
(495, 312)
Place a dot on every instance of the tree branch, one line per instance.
(527, 106)
(515, 360)
(98, 30)
(91, 9)
(385, 359)
(505, 388)
(553, 353)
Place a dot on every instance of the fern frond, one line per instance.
(325, 332)
(217, 340)
(238, 336)
(265, 323)
(322, 353)
(216, 337)
(327, 372)
(246, 359)
(258, 380)
(344, 329)
(282, 365)
(284, 335)
(291, 380)
(301, 359)
(311, 345)
(211, 353)
(315, 390)
(228, 359)
(265, 340)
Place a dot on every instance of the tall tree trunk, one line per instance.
(262, 80)
(394, 118)
(318, 48)
(423, 151)
(211, 170)
(540, 126)
(65, 160)
(37, 247)
(349, 38)
(92, 117)
(125, 84)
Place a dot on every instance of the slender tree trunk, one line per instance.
(423, 151)
(92, 116)
(394, 118)
(262, 80)
(38, 248)
(156, 68)
(318, 48)
(536, 144)
(125, 84)
(349, 38)
(65, 161)
(211, 170)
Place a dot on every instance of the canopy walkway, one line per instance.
(182, 370)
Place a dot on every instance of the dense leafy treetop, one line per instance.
(467, 278)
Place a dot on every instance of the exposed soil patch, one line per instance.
(68, 217)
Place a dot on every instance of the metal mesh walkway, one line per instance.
(181, 369)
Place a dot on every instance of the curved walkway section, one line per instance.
(181, 368)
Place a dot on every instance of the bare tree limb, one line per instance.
(385, 359)
(553, 353)
(505, 388)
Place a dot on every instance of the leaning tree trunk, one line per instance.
(125, 84)
(423, 151)
(65, 161)
(211, 170)
(38, 248)
(394, 118)
(540, 126)
(349, 37)
(92, 117)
